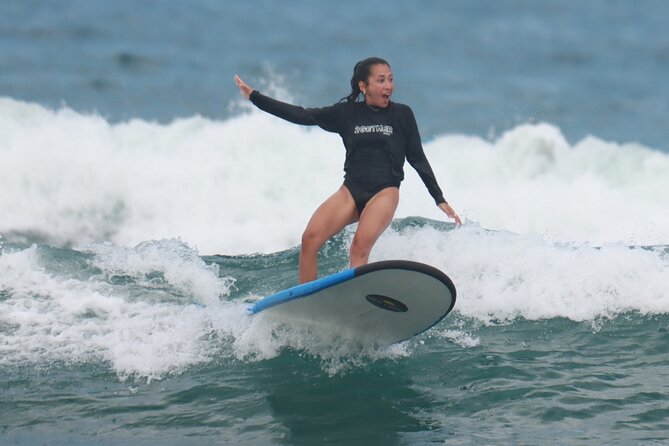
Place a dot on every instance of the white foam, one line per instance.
(264, 337)
(531, 181)
(250, 183)
(177, 264)
(49, 318)
(144, 329)
(501, 276)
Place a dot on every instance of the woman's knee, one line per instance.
(311, 240)
(361, 246)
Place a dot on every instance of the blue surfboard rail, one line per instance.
(302, 290)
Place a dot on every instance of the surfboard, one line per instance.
(382, 302)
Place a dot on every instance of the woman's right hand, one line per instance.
(244, 89)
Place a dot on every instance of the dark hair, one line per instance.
(361, 72)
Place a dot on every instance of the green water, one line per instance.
(151, 345)
(525, 383)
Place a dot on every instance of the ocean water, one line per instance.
(143, 206)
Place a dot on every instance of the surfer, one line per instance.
(379, 135)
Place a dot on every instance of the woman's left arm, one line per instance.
(418, 160)
(448, 210)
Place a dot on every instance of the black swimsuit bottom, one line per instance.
(362, 194)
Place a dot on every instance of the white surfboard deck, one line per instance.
(383, 302)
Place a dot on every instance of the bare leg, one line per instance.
(375, 218)
(332, 216)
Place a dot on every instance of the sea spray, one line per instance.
(250, 183)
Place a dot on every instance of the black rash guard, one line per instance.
(377, 141)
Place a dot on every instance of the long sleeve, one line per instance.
(327, 118)
(418, 160)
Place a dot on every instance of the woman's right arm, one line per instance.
(326, 117)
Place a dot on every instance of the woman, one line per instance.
(379, 135)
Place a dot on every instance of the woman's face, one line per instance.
(379, 86)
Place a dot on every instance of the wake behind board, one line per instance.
(383, 302)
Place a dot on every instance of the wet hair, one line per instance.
(361, 72)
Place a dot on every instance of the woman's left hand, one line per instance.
(448, 210)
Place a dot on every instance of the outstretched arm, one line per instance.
(326, 118)
(416, 157)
